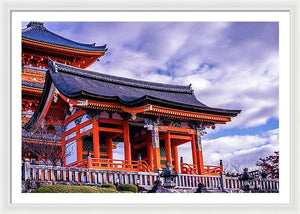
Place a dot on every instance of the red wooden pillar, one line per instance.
(194, 153)
(155, 146)
(96, 141)
(109, 147)
(149, 152)
(63, 148)
(79, 144)
(79, 149)
(168, 148)
(175, 154)
(199, 153)
(126, 141)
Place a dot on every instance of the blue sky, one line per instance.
(230, 65)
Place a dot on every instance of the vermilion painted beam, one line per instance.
(180, 142)
(111, 130)
(111, 121)
(180, 137)
(177, 129)
(115, 135)
(140, 145)
(86, 123)
(71, 139)
(74, 116)
(139, 138)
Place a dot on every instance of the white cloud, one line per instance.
(237, 151)
(244, 58)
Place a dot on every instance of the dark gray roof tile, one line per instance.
(36, 31)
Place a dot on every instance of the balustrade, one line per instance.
(112, 164)
(145, 179)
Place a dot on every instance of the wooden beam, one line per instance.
(111, 121)
(177, 129)
(180, 142)
(115, 135)
(180, 137)
(139, 138)
(74, 116)
(111, 130)
(140, 145)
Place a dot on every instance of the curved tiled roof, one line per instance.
(36, 31)
(76, 83)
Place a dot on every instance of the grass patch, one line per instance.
(108, 185)
(72, 189)
(128, 187)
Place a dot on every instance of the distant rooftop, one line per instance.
(38, 32)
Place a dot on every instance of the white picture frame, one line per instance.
(286, 208)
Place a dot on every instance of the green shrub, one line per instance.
(128, 187)
(111, 186)
(72, 189)
(126, 192)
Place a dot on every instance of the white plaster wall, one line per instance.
(71, 148)
(85, 128)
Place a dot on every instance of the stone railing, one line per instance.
(96, 177)
(85, 176)
(192, 181)
(233, 184)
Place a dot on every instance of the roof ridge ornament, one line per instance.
(39, 25)
(52, 65)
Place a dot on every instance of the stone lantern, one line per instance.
(245, 178)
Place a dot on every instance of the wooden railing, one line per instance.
(189, 168)
(74, 175)
(113, 164)
(207, 169)
(212, 170)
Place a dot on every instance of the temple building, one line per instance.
(93, 111)
(38, 43)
